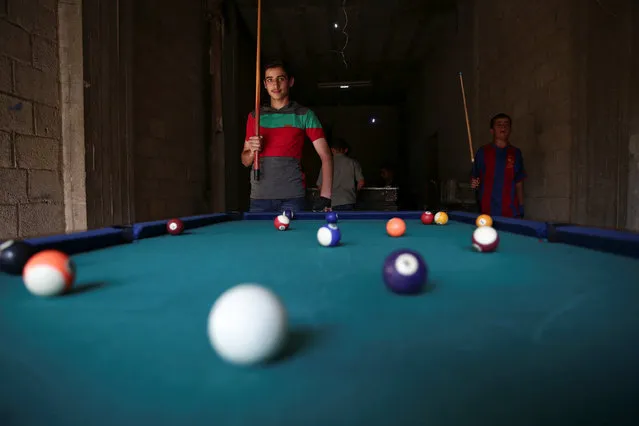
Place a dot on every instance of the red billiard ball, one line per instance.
(281, 222)
(175, 226)
(427, 218)
(485, 239)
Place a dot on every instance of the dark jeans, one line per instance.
(343, 207)
(273, 206)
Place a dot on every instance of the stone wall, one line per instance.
(31, 194)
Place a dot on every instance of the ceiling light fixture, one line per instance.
(345, 84)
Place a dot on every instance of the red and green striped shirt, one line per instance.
(284, 132)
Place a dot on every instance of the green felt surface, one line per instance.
(537, 333)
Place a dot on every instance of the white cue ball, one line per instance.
(247, 325)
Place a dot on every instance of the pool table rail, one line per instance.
(605, 240)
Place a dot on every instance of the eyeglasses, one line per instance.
(278, 79)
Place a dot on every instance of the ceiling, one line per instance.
(386, 43)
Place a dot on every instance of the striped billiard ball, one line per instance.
(281, 223)
(329, 235)
(485, 239)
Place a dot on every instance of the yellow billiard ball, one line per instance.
(441, 218)
(484, 220)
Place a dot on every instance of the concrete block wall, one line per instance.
(31, 193)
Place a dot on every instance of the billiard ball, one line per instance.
(49, 273)
(329, 235)
(405, 272)
(485, 239)
(174, 226)
(289, 214)
(331, 217)
(395, 227)
(484, 220)
(247, 325)
(281, 223)
(14, 255)
(427, 218)
(441, 218)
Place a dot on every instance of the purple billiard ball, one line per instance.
(405, 272)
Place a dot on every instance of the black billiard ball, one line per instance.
(14, 255)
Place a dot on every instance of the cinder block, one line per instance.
(45, 185)
(6, 74)
(6, 151)
(14, 41)
(16, 115)
(40, 219)
(30, 15)
(14, 186)
(48, 122)
(45, 54)
(8, 221)
(39, 86)
(37, 153)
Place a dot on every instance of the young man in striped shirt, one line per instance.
(284, 124)
(499, 172)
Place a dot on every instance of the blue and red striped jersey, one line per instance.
(499, 169)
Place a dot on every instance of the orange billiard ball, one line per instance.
(484, 220)
(395, 227)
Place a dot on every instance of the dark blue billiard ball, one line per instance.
(14, 255)
(405, 272)
(289, 214)
(331, 217)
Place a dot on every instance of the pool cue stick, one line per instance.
(258, 88)
(470, 138)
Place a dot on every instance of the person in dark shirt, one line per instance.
(498, 172)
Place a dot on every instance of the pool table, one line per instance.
(544, 331)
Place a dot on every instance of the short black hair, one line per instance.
(497, 117)
(339, 143)
(278, 63)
